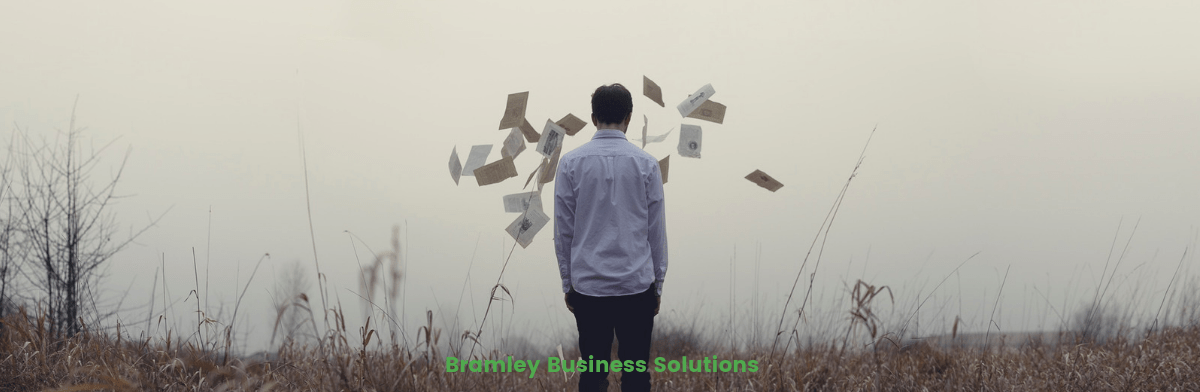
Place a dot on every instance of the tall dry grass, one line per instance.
(31, 359)
(1099, 352)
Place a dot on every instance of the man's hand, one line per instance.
(567, 299)
(656, 306)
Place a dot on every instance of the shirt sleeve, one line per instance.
(564, 221)
(657, 225)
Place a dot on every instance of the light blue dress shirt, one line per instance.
(610, 231)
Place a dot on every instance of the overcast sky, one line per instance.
(1022, 130)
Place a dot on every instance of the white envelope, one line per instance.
(690, 141)
(695, 100)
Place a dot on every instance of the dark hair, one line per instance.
(611, 104)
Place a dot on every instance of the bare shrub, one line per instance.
(64, 228)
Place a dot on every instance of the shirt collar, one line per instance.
(608, 134)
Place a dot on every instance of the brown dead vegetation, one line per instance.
(32, 359)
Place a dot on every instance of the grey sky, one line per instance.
(1021, 129)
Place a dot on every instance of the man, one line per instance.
(611, 239)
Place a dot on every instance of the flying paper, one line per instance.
(527, 225)
(476, 159)
(540, 167)
(530, 134)
(552, 137)
(662, 167)
(645, 123)
(693, 101)
(571, 124)
(763, 180)
(551, 168)
(455, 165)
(660, 138)
(519, 202)
(495, 172)
(656, 139)
(710, 111)
(514, 110)
(513, 144)
(652, 91)
(689, 140)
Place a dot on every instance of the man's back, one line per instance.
(610, 231)
(611, 241)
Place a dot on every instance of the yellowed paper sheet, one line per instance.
(495, 172)
(652, 91)
(455, 165)
(514, 144)
(526, 226)
(571, 124)
(514, 110)
(710, 111)
(551, 168)
(765, 181)
(531, 135)
(690, 141)
(693, 101)
(663, 165)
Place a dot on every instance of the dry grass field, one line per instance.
(1110, 345)
(32, 360)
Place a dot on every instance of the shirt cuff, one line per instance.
(566, 286)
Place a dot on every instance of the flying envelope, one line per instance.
(689, 141)
(695, 100)
(710, 111)
(765, 181)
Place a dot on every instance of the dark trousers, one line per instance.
(631, 317)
